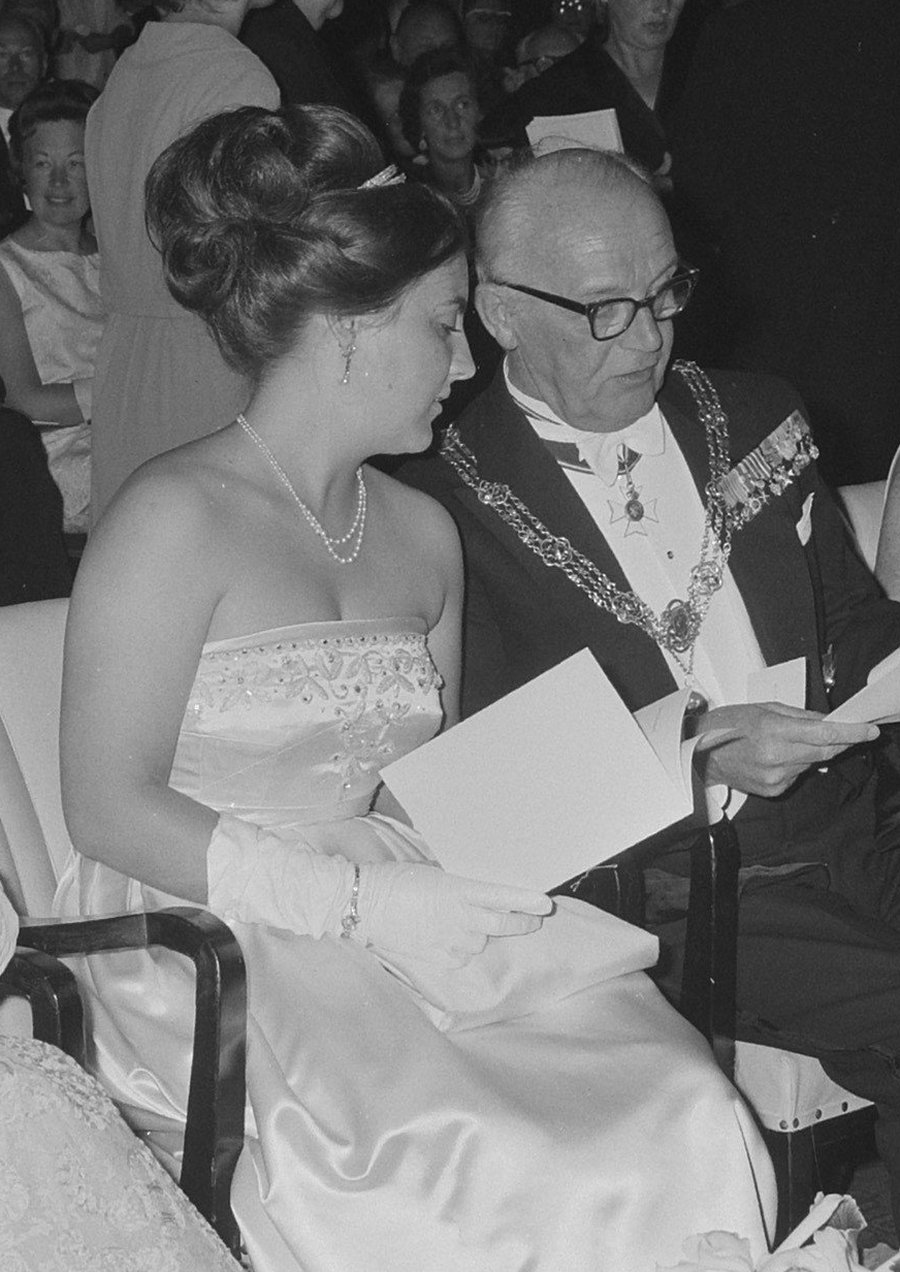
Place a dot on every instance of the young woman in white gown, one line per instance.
(442, 1075)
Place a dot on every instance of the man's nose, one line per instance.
(645, 329)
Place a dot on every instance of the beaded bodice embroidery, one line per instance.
(292, 721)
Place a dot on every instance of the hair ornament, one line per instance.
(391, 175)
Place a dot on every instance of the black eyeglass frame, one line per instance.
(685, 274)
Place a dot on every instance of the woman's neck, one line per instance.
(287, 411)
(642, 66)
(454, 176)
(40, 237)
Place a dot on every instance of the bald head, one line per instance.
(523, 206)
(557, 235)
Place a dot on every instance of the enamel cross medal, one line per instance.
(635, 510)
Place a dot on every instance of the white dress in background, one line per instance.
(541, 1110)
(60, 297)
(78, 1191)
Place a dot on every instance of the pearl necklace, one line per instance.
(354, 535)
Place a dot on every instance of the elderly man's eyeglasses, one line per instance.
(609, 318)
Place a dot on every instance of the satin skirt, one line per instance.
(585, 1131)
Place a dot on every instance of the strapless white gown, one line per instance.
(537, 1113)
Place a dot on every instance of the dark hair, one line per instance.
(439, 8)
(41, 31)
(261, 223)
(427, 67)
(46, 104)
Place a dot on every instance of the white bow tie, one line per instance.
(602, 451)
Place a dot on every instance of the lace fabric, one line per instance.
(313, 713)
(363, 669)
(78, 1191)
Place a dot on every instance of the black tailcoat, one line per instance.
(524, 616)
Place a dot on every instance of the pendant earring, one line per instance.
(348, 358)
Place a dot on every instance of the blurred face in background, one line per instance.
(448, 114)
(316, 12)
(422, 29)
(486, 24)
(53, 172)
(22, 61)
(643, 24)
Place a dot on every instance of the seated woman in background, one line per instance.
(442, 1074)
(621, 66)
(439, 112)
(51, 315)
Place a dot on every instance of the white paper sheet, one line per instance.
(596, 129)
(785, 683)
(879, 701)
(543, 784)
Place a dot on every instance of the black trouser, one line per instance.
(819, 973)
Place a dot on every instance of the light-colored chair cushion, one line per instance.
(864, 506)
(788, 1091)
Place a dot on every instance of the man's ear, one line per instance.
(492, 304)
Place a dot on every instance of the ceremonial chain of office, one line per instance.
(677, 627)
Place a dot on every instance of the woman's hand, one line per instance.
(407, 908)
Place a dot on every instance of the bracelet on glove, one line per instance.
(350, 921)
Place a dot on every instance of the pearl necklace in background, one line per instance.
(354, 535)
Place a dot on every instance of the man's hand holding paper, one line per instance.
(762, 748)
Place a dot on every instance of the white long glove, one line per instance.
(440, 918)
(403, 907)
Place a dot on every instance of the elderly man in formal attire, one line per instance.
(674, 523)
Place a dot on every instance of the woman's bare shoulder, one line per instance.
(173, 518)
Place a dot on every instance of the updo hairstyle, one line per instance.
(48, 103)
(262, 223)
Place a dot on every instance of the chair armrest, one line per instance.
(214, 1131)
(709, 980)
(709, 976)
(52, 993)
(616, 886)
